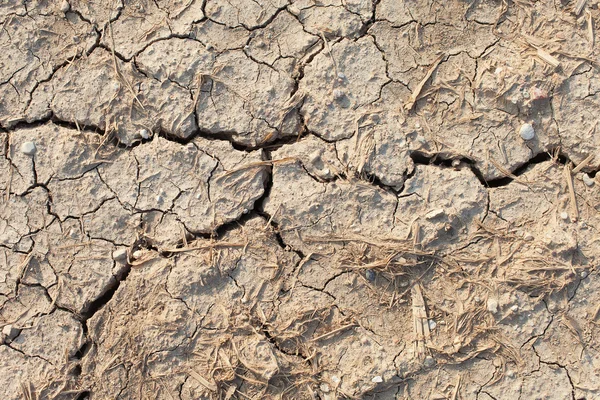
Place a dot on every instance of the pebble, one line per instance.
(434, 213)
(120, 254)
(341, 75)
(429, 361)
(370, 275)
(65, 6)
(432, 324)
(377, 379)
(338, 94)
(144, 134)
(588, 180)
(28, 148)
(492, 306)
(510, 374)
(514, 308)
(528, 237)
(324, 388)
(583, 274)
(527, 132)
(137, 254)
(10, 332)
(564, 215)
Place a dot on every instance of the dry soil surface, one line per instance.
(299, 199)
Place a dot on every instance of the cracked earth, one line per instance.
(299, 199)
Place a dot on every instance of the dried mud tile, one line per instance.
(248, 114)
(114, 106)
(54, 338)
(37, 44)
(245, 13)
(333, 103)
(141, 23)
(284, 37)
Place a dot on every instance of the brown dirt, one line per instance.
(245, 199)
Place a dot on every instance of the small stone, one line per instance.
(315, 157)
(324, 388)
(65, 6)
(341, 75)
(432, 324)
(514, 308)
(28, 148)
(145, 134)
(137, 254)
(370, 275)
(377, 379)
(584, 274)
(510, 374)
(10, 332)
(338, 94)
(492, 305)
(434, 213)
(528, 237)
(429, 361)
(455, 163)
(120, 254)
(564, 215)
(588, 180)
(527, 132)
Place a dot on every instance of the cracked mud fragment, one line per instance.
(333, 18)
(122, 100)
(36, 42)
(315, 213)
(335, 102)
(205, 184)
(247, 199)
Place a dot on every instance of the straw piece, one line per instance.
(415, 94)
(573, 199)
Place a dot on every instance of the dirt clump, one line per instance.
(299, 200)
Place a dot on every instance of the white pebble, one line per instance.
(492, 305)
(432, 324)
(588, 180)
(120, 254)
(377, 379)
(137, 254)
(144, 134)
(65, 6)
(429, 361)
(338, 94)
(564, 215)
(528, 237)
(324, 388)
(584, 274)
(28, 148)
(10, 331)
(527, 132)
(514, 308)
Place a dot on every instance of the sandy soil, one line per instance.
(301, 199)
